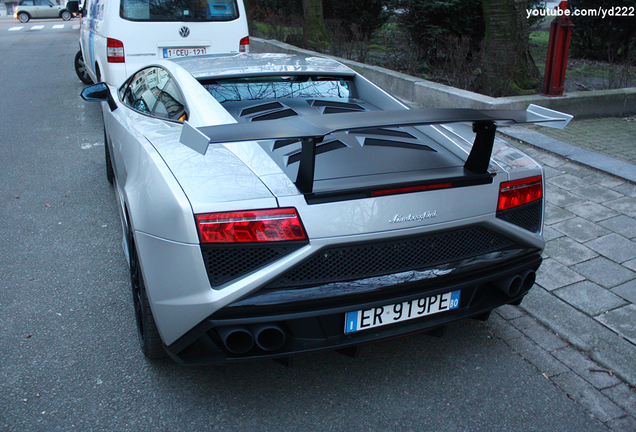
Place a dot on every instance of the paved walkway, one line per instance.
(613, 137)
(581, 314)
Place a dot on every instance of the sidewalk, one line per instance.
(581, 313)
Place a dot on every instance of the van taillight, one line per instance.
(115, 51)
(244, 44)
(519, 192)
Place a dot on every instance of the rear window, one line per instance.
(179, 10)
(275, 87)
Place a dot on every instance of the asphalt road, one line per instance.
(69, 358)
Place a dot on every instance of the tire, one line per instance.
(66, 15)
(23, 17)
(110, 174)
(80, 69)
(149, 339)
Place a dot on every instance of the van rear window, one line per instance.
(179, 10)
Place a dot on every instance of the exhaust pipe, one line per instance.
(269, 337)
(510, 286)
(528, 280)
(237, 340)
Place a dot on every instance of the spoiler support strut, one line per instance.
(479, 157)
(306, 168)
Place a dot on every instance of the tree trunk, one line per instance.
(507, 66)
(313, 22)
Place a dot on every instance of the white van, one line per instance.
(118, 37)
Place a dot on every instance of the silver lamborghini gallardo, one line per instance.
(276, 204)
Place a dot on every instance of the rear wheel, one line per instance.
(80, 69)
(66, 15)
(24, 17)
(149, 338)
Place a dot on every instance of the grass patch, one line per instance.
(540, 37)
(379, 47)
(538, 42)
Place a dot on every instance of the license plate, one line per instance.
(183, 52)
(398, 312)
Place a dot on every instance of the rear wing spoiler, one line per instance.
(311, 130)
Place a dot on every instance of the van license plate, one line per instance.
(398, 312)
(183, 52)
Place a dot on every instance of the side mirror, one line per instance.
(72, 6)
(99, 93)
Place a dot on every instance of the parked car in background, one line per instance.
(276, 204)
(35, 9)
(117, 37)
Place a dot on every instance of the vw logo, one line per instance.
(184, 32)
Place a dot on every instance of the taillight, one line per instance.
(115, 51)
(244, 45)
(250, 226)
(519, 192)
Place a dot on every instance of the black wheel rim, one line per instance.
(81, 69)
(81, 66)
(138, 293)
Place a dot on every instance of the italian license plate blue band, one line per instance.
(399, 312)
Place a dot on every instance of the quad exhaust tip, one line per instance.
(513, 285)
(529, 278)
(510, 286)
(240, 340)
(269, 337)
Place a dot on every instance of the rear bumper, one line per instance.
(311, 325)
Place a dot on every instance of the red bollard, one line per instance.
(558, 48)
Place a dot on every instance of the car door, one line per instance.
(37, 10)
(48, 9)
